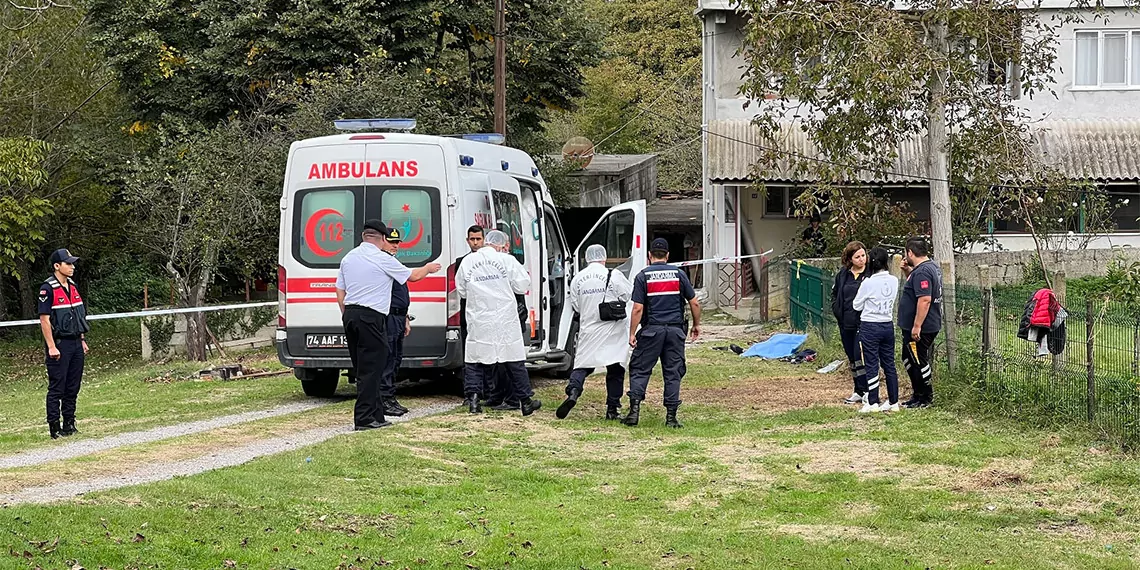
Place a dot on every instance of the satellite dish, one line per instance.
(578, 150)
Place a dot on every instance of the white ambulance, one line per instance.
(432, 189)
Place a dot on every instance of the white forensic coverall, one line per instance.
(600, 343)
(489, 280)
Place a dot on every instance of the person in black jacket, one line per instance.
(847, 282)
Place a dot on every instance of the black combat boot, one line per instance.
(473, 405)
(68, 428)
(529, 406)
(634, 413)
(571, 401)
(55, 429)
(671, 418)
(393, 408)
(612, 413)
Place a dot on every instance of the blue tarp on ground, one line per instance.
(779, 346)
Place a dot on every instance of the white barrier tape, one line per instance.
(719, 259)
(109, 316)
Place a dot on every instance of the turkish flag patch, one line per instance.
(43, 296)
(924, 284)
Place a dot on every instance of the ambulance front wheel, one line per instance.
(318, 382)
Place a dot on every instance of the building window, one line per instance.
(776, 202)
(1108, 59)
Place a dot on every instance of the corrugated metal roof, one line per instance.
(1101, 149)
(736, 145)
(676, 211)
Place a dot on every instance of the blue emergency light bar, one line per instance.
(489, 138)
(375, 124)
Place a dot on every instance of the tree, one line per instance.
(60, 121)
(22, 172)
(203, 61)
(197, 197)
(862, 77)
(645, 94)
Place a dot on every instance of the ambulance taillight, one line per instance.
(452, 299)
(282, 290)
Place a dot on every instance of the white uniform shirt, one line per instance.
(366, 275)
(600, 343)
(876, 298)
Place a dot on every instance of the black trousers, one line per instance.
(654, 342)
(64, 377)
(850, 338)
(615, 382)
(396, 326)
(916, 359)
(499, 386)
(475, 375)
(368, 348)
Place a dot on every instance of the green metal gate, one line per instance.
(810, 296)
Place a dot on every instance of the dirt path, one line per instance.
(87, 447)
(216, 460)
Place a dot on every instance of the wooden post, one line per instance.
(247, 290)
(146, 295)
(989, 315)
(1091, 366)
(1059, 289)
(1136, 346)
(500, 71)
(949, 317)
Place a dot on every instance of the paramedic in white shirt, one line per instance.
(364, 293)
(600, 343)
(489, 279)
(876, 299)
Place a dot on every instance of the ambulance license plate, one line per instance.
(326, 341)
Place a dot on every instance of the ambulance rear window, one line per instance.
(324, 226)
(415, 211)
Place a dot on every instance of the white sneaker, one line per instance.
(889, 407)
(869, 408)
(854, 398)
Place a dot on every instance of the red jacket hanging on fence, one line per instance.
(1045, 307)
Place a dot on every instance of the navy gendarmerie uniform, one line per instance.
(397, 324)
(663, 290)
(62, 304)
(923, 281)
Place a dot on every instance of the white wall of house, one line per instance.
(722, 78)
(1112, 42)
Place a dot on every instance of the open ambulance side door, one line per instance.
(622, 231)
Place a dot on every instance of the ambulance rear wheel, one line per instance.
(318, 382)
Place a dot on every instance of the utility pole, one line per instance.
(501, 67)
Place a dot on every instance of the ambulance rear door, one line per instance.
(622, 231)
(406, 188)
(324, 212)
(516, 216)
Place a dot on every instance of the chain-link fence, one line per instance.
(1091, 375)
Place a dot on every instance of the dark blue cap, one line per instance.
(659, 244)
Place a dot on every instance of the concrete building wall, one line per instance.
(1066, 101)
(1075, 102)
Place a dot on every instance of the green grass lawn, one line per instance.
(122, 393)
(764, 475)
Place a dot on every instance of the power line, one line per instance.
(681, 75)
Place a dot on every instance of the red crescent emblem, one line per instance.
(311, 232)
